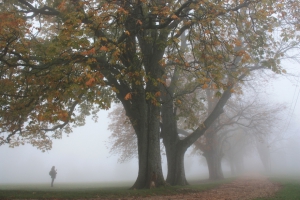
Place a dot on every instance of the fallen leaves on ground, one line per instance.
(243, 188)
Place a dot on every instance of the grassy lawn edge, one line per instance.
(290, 190)
(117, 192)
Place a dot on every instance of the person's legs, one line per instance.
(52, 182)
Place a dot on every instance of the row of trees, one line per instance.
(242, 125)
(63, 60)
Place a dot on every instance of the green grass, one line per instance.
(76, 191)
(290, 190)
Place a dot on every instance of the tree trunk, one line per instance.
(236, 162)
(213, 159)
(232, 166)
(175, 159)
(144, 111)
(174, 149)
(264, 154)
(145, 119)
(146, 125)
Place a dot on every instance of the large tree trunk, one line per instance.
(236, 162)
(146, 124)
(175, 159)
(264, 153)
(144, 111)
(146, 115)
(213, 159)
(174, 149)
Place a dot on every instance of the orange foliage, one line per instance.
(157, 94)
(90, 82)
(128, 96)
(63, 116)
(88, 52)
(127, 33)
(103, 48)
(205, 86)
(174, 17)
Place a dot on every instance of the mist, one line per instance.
(83, 156)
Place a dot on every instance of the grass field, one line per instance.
(96, 190)
(290, 190)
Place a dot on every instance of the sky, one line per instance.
(84, 155)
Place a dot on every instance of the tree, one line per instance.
(243, 122)
(123, 138)
(62, 60)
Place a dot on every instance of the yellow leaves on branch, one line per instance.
(63, 116)
(53, 116)
(245, 56)
(11, 23)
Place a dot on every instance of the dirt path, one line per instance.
(244, 188)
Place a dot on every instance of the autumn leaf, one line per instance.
(127, 96)
(62, 6)
(90, 82)
(204, 86)
(40, 117)
(174, 17)
(103, 48)
(238, 42)
(63, 116)
(214, 86)
(127, 33)
(157, 94)
(88, 52)
(115, 89)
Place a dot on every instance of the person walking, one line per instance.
(53, 173)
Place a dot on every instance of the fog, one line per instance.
(81, 157)
(84, 155)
